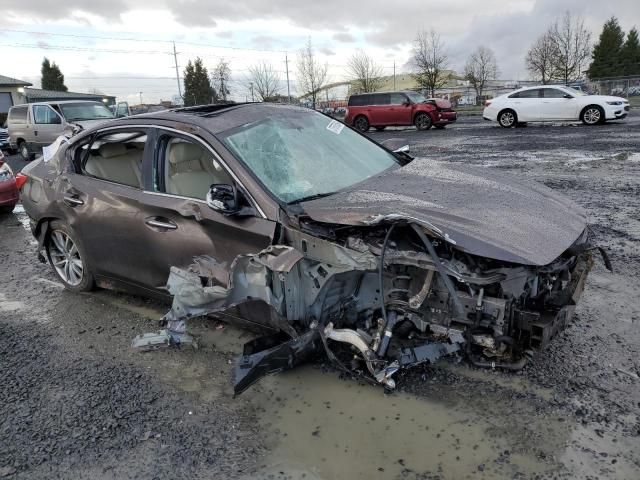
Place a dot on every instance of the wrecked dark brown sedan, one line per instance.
(282, 218)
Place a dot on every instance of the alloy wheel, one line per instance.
(592, 116)
(423, 121)
(507, 119)
(362, 124)
(65, 258)
(24, 151)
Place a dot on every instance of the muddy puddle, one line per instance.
(322, 427)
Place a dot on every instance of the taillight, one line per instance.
(21, 179)
(487, 103)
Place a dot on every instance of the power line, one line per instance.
(81, 49)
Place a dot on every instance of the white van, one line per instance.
(36, 125)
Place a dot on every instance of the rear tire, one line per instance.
(68, 258)
(361, 123)
(592, 115)
(6, 209)
(507, 118)
(422, 121)
(24, 151)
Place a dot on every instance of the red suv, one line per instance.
(381, 110)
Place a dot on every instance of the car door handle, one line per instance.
(72, 200)
(35, 133)
(157, 222)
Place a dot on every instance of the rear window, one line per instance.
(18, 115)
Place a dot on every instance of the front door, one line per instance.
(47, 125)
(556, 105)
(399, 109)
(177, 223)
(528, 105)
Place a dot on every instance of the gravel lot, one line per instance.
(78, 403)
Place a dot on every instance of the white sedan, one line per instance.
(553, 103)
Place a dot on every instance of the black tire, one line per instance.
(422, 121)
(361, 123)
(379, 129)
(23, 148)
(86, 282)
(6, 209)
(592, 115)
(507, 118)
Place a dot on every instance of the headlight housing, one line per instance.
(614, 103)
(5, 172)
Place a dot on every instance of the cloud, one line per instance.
(326, 51)
(47, 10)
(344, 37)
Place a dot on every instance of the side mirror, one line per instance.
(227, 200)
(406, 103)
(566, 95)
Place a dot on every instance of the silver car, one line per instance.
(36, 125)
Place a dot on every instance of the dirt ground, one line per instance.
(78, 403)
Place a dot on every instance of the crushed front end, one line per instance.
(393, 294)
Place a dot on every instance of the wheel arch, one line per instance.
(428, 112)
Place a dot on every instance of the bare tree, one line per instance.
(572, 45)
(480, 67)
(430, 60)
(312, 75)
(220, 79)
(366, 75)
(541, 59)
(264, 80)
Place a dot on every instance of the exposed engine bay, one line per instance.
(395, 293)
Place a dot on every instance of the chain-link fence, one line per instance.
(618, 86)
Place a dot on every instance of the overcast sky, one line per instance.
(134, 52)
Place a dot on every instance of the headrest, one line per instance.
(109, 150)
(184, 152)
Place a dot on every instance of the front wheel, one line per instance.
(361, 123)
(592, 115)
(68, 259)
(422, 121)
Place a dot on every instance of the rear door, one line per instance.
(101, 201)
(175, 221)
(527, 104)
(47, 125)
(379, 109)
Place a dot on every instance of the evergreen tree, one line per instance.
(197, 87)
(52, 77)
(631, 53)
(607, 53)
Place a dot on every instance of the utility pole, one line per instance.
(394, 74)
(286, 62)
(140, 98)
(175, 59)
(251, 85)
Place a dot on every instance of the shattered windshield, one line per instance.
(74, 112)
(306, 155)
(416, 97)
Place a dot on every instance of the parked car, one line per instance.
(36, 125)
(380, 110)
(9, 194)
(553, 103)
(281, 217)
(4, 139)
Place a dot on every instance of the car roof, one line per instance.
(57, 102)
(215, 118)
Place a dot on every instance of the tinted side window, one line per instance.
(535, 93)
(382, 99)
(553, 93)
(117, 157)
(398, 99)
(18, 115)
